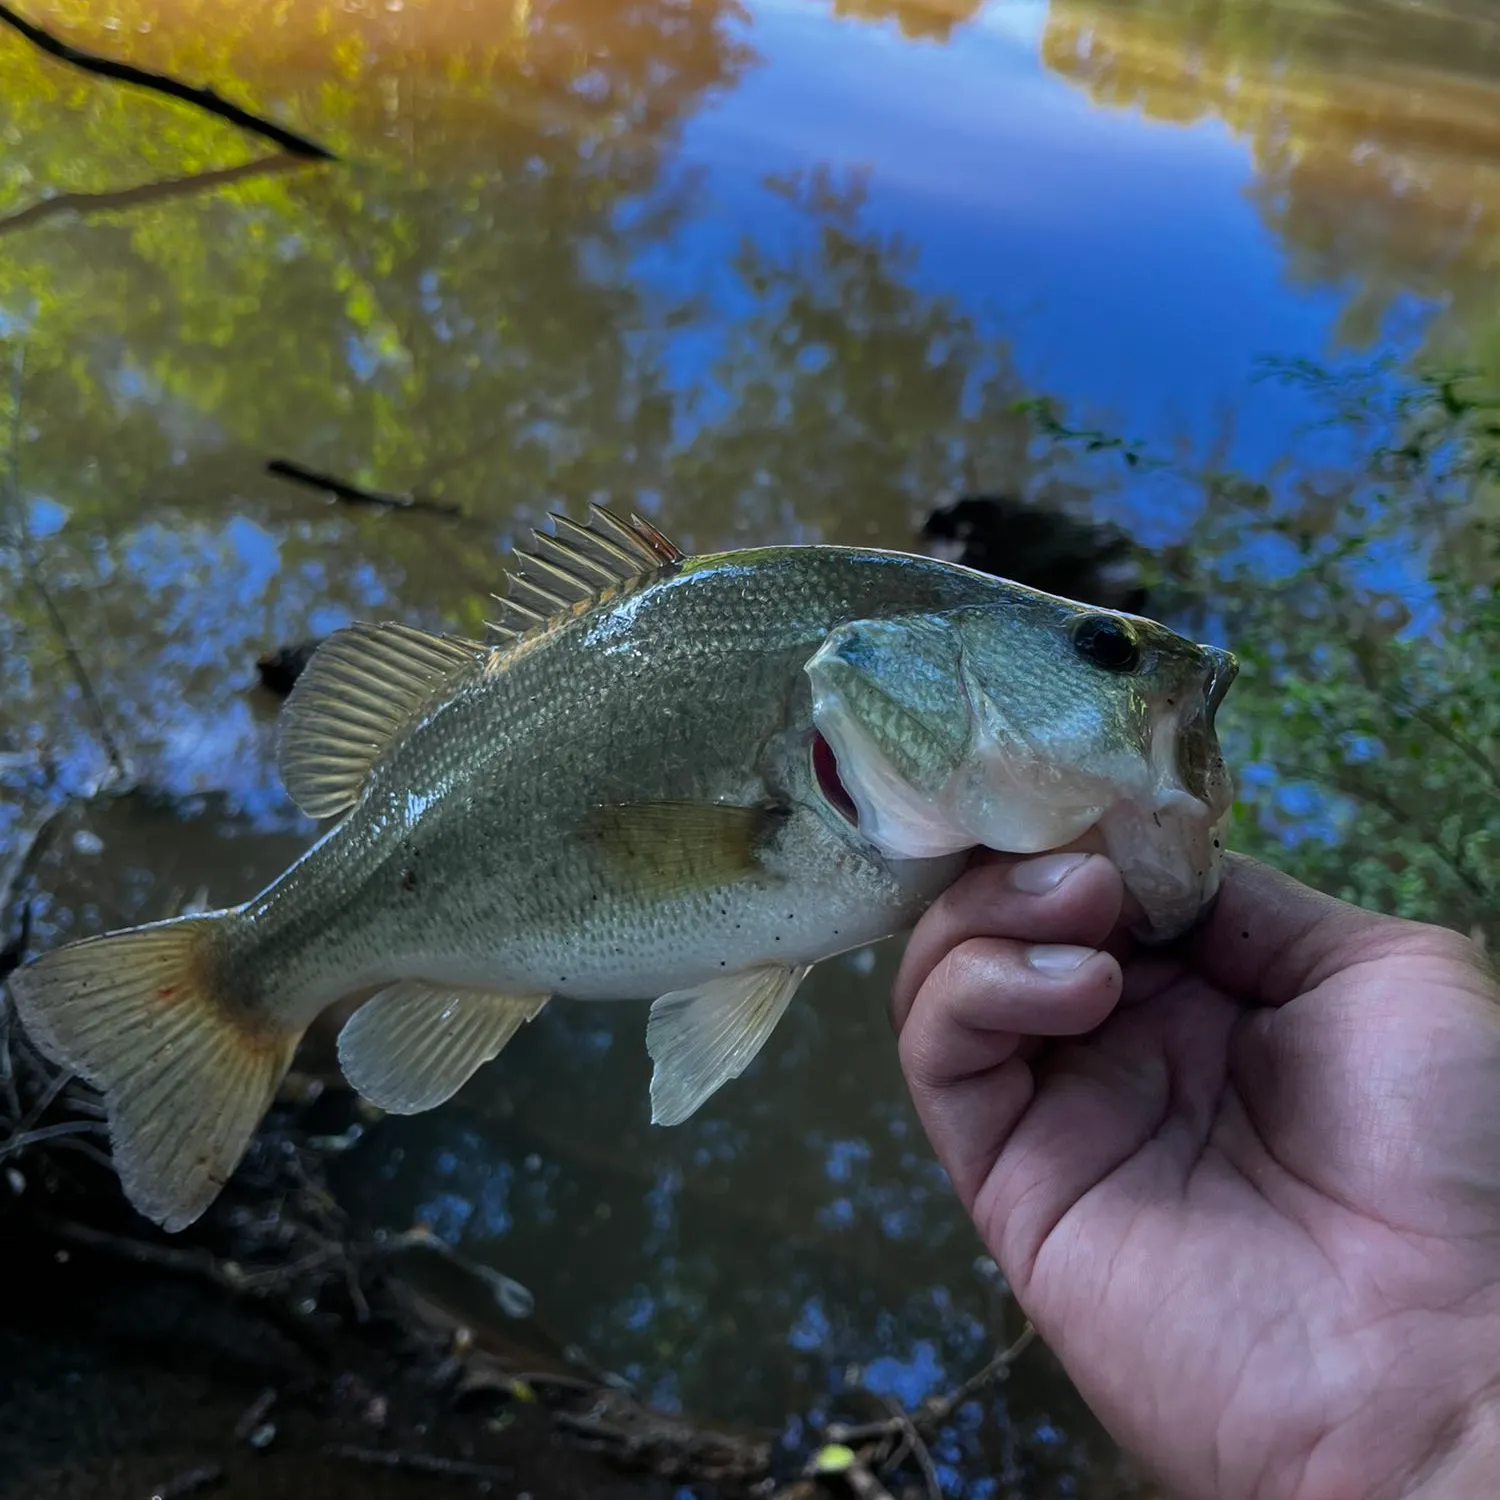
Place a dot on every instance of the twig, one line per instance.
(25, 856)
(255, 1414)
(907, 1432)
(420, 1463)
(48, 1098)
(913, 1442)
(597, 1430)
(864, 1483)
(189, 1483)
(7, 1056)
(353, 494)
(16, 942)
(116, 199)
(202, 98)
(547, 1379)
(34, 576)
(228, 1274)
(936, 1413)
(23, 1140)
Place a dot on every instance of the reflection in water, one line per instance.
(1375, 131)
(931, 20)
(501, 299)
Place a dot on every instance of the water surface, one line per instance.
(788, 272)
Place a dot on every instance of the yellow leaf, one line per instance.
(835, 1458)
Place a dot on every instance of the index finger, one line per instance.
(1062, 897)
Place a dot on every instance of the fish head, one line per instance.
(1024, 726)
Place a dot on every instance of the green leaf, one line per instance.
(835, 1458)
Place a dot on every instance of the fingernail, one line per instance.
(1038, 876)
(1057, 958)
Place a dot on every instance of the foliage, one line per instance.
(1365, 724)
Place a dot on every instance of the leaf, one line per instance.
(835, 1458)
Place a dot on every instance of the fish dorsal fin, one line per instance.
(365, 686)
(573, 567)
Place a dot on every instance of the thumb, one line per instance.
(1270, 938)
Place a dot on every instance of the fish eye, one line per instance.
(1108, 642)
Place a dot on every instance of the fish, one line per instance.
(668, 778)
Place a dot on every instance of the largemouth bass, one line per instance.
(678, 779)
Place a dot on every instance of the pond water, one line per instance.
(789, 272)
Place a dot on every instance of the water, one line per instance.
(787, 273)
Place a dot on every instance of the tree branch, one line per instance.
(353, 494)
(117, 199)
(201, 98)
(32, 568)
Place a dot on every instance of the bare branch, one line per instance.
(159, 83)
(353, 494)
(32, 569)
(119, 199)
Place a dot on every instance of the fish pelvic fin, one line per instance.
(574, 567)
(364, 688)
(186, 1070)
(700, 1038)
(414, 1045)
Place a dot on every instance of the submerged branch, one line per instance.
(869, 1452)
(192, 1482)
(353, 494)
(420, 1463)
(118, 199)
(159, 83)
(32, 569)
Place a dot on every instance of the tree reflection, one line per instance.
(921, 20)
(847, 402)
(451, 312)
(1376, 133)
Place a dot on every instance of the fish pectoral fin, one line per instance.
(702, 1037)
(414, 1045)
(364, 688)
(671, 848)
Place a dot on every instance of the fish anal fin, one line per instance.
(665, 849)
(702, 1037)
(186, 1070)
(413, 1045)
(576, 567)
(364, 688)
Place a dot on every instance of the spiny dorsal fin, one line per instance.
(364, 688)
(576, 566)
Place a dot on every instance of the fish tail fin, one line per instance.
(151, 1017)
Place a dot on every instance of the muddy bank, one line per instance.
(124, 1382)
(269, 1351)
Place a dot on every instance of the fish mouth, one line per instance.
(1223, 668)
(830, 783)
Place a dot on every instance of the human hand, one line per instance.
(1248, 1189)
